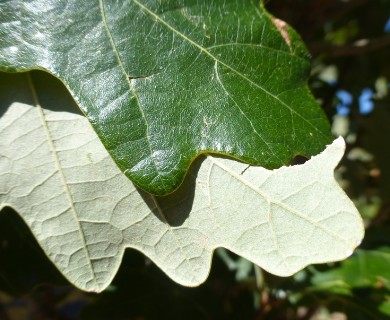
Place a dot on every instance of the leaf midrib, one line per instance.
(61, 173)
(270, 200)
(132, 89)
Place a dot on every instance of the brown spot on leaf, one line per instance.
(282, 27)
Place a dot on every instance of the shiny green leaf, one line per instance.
(163, 81)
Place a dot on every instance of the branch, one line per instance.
(357, 48)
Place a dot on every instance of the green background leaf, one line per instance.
(365, 273)
(366, 268)
(163, 81)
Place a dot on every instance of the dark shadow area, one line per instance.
(298, 160)
(13, 89)
(31, 287)
(51, 92)
(182, 199)
(150, 294)
(23, 264)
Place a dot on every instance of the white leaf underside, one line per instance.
(84, 212)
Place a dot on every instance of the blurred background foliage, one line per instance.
(349, 41)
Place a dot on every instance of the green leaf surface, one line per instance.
(84, 212)
(366, 268)
(164, 81)
(385, 307)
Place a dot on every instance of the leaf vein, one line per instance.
(59, 170)
(131, 87)
(162, 21)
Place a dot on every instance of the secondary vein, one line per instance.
(158, 18)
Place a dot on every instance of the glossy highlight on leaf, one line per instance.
(84, 212)
(164, 81)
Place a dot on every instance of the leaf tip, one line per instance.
(333, 153)
(339, 143)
